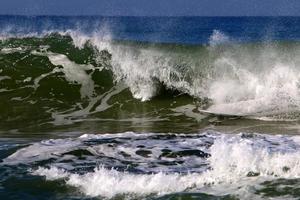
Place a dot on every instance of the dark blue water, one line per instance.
(185, 30)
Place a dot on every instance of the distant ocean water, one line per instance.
(149, 107)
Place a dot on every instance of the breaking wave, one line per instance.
(252, 79)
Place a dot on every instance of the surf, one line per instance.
(158, 164)
(228, 74)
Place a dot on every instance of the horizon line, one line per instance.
(96, 15)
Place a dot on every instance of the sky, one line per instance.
(152, 7)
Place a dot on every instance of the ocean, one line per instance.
(149, 108)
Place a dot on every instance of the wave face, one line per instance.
(69, 76)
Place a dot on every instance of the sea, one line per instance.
(149, 108)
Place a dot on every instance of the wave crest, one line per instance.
(240, 79)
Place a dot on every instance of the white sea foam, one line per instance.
(64, 117)
(41, 151)
(141, 69)
(4, 78)
(232, 160)
(74, 73)
(56, 148)
(275, 90)
(239, 81)
(11, 50)
(241, 156)
(109, 183)
(236, 163)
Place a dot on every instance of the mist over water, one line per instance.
(196, 107)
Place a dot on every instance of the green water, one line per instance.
(52, 92)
